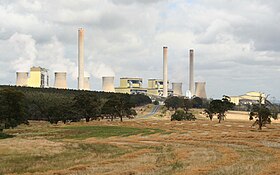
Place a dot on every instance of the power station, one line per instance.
(39, 77)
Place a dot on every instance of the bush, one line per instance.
(180, 115)
(156, 102)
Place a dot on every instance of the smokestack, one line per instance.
(165, 86)
(200, 89)
(60, 81)
(81, 59)
(86, 83)
(22, 78)
(191, 74)
(108, 84)
(177, 89)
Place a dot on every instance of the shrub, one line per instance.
(180, 115)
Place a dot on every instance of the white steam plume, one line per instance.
(25, 46)
(100, 70)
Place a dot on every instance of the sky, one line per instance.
(236, 43)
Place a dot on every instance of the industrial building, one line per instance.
(200, 90)
(108, 84)
(22, 79)
(177, 89)
(156, 86)
(249, 98)
(131, 86)
(60, 81)
(38, 77)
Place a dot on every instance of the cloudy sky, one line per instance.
(237, 43)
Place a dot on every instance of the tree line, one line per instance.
(20, 104)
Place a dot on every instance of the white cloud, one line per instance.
(234, 41)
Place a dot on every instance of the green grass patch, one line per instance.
(84, 132)
(5, 136)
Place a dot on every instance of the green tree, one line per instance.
(197, 102)
(219, 108)
(174, 102)
(118, 106)
(263, 113)
(89, 106)
(181, 114)
(12, 111)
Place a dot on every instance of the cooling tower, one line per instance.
(60, 81)
(108, 84)
(165, 85)
(22, 78)
(86, 83)
(177, 89)
(200, 89)
(191, 73)
(81, 59)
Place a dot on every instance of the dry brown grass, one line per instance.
(188, 147)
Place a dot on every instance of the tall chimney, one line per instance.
(108, 84)
(165, 86)
(60, 81)
(191, 74)
(22, 79)
(81, 59)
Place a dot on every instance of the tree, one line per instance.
(263, 113)
(89, 106)
(174, 102)
(219, 108)
(197, 102)
(118, 106)
(180, 115)
(12, 112)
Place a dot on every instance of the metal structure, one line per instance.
(22, 79)
(81, 72)
(191, 73)
(177, 89)
(165, 70)
(200, 89)
(108, 84)
(60, 81)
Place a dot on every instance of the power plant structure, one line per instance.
(86, 83)
(200, 90)
(177, 89)
(60, 81)
(22, 79)
(191, 73)
(108, 84)
(165, 71)
(131, 86)
(38, 77)
(155, 87)
(81, 71)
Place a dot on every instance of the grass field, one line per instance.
(150, 146)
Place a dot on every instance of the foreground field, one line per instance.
(141, 147)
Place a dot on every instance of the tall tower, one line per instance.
(191, 74)
(165, 85)
(81, 73)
